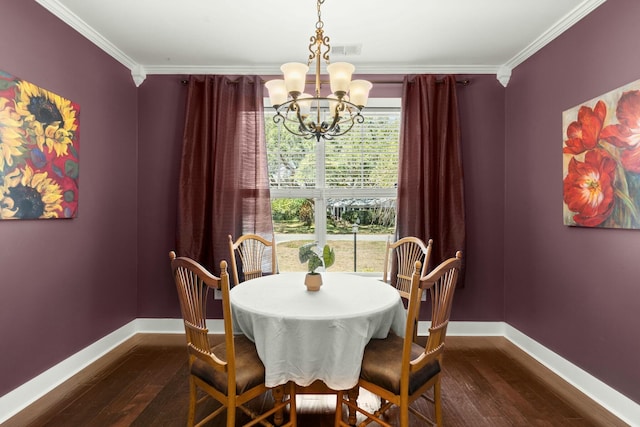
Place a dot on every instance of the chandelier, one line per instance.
(317, 116)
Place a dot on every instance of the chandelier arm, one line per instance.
(354, 112)
(296, 109)
(336, 118)
(278, 118)
(350, 121)
(298, 133)
(340, 131)
(302, 126)
(339, 124)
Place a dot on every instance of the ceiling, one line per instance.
(257, 36)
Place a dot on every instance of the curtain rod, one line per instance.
(465, 82)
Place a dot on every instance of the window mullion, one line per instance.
(321, 199)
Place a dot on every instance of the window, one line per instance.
(340, 192)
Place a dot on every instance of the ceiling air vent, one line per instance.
(346, 50)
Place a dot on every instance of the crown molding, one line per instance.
(362, 69)
(84, 29)
(560, 27)
(140, 71)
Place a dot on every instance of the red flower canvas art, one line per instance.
(39, 146)
(601, 160)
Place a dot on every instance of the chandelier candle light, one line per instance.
(316, 116)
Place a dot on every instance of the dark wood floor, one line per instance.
(487, 381)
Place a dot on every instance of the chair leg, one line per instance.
(278, 397)
(436, 401)
(353, 397)
(293, 418)
(193, 396)
(231, 411)
(341, 401)
(339, 397)
(404, 413)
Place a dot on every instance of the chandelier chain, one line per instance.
(320, 24)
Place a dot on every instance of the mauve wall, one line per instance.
(162, 110)
(481, 107)
(67, 283)
(161, 100)
(574, 290)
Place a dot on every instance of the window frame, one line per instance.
(320, 193)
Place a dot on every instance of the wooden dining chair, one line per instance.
(249, 250)
(230, 372)
(397, 369)
(407, 251)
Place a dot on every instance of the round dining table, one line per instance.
(305, 336)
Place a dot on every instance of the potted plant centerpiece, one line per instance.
(307, 253)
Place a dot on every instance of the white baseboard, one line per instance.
(468, 329)
(24, 395)
(613, 401)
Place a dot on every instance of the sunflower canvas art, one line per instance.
(601, 160)
(39, 146)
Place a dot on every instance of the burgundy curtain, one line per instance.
(224, 183)
(430, 178)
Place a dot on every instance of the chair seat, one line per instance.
(249, 367)
(382, 364)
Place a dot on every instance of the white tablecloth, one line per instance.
(306, 336)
